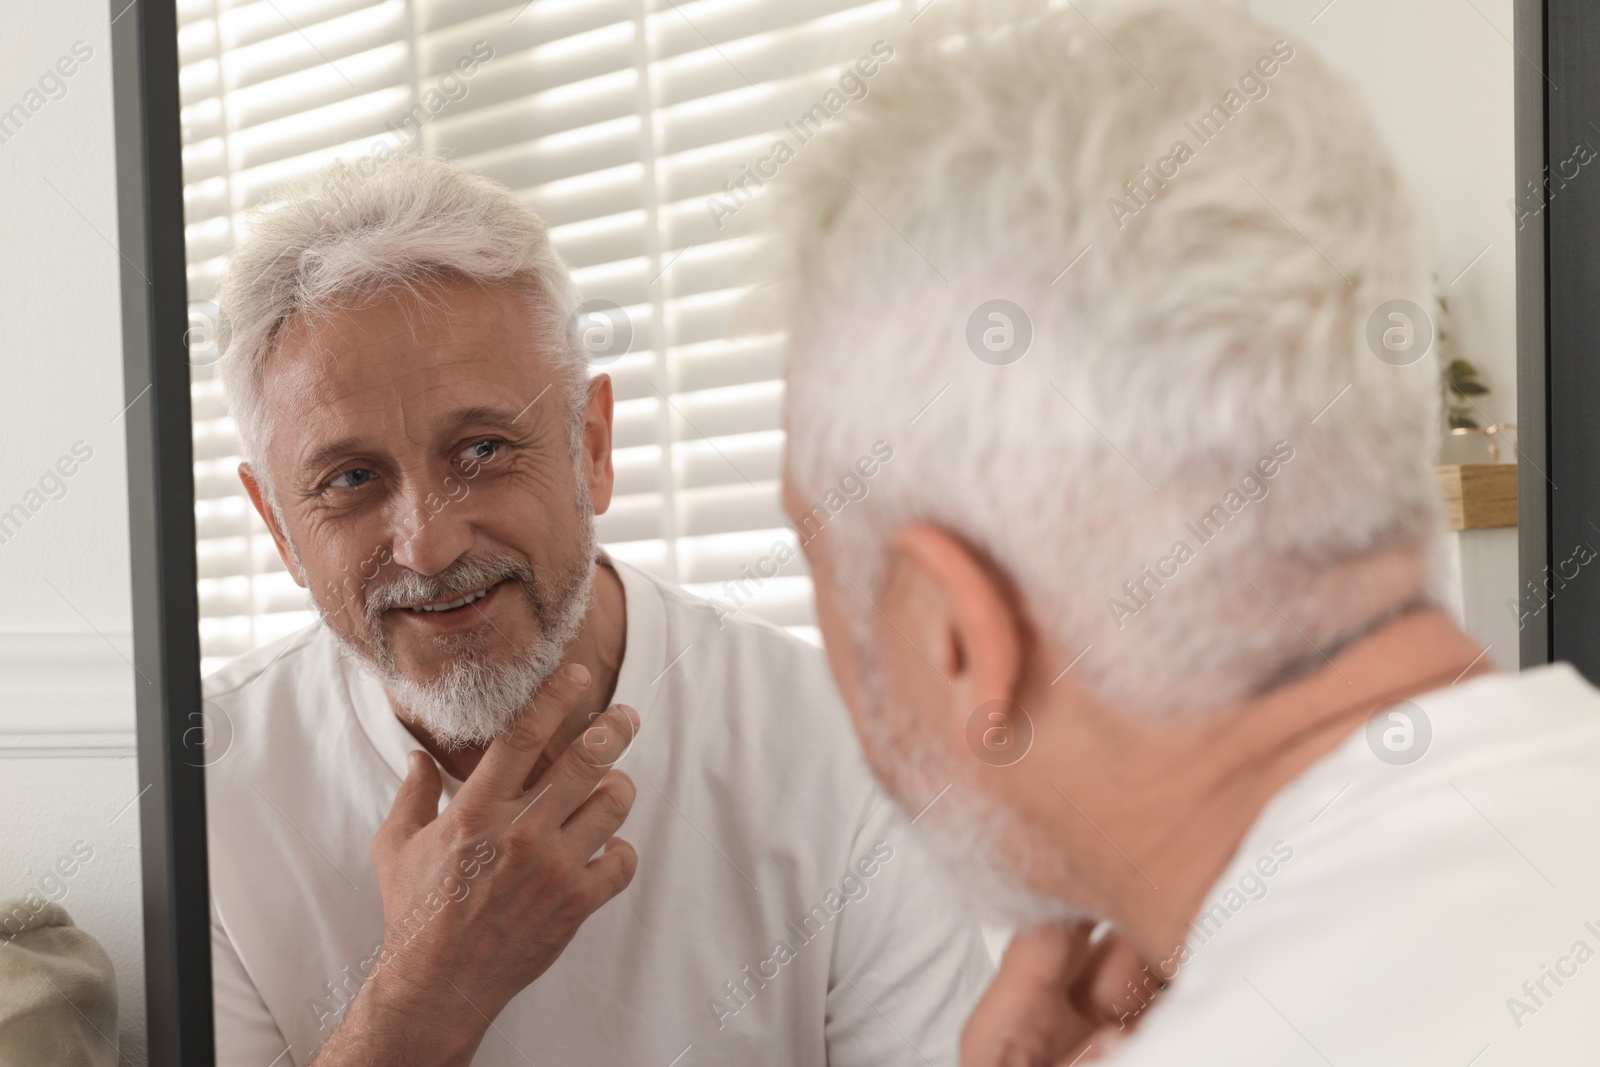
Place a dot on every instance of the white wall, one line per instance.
(66, 695)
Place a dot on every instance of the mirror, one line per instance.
(643, 135)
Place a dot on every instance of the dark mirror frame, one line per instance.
(1557, 85)
(1558, 332)
(161, 527)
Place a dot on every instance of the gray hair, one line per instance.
(346, 234)
(1176, 340)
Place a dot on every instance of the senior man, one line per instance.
(1136, 295)
(413, 831)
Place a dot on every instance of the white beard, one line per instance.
(475, 699)
(971, 836)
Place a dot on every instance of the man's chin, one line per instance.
(464, 696)
(433, 668)
(470, 704)
(974, 840)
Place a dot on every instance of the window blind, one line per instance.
(638, 129)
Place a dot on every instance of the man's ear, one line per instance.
(959, 612)
(597, 443)
(252, 485)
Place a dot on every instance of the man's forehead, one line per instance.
(458, 331)
(450, 320)
(387, 368)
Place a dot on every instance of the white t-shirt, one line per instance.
(1390, 914)
(757, 824)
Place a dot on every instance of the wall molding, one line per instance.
(66, 695)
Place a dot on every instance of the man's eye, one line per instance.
(482, 452)
(351, 479)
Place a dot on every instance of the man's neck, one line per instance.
(599, 646)
(1211, 777)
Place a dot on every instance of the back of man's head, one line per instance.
(1105, 280)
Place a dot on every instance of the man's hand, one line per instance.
(1059, 999)
(479, 901)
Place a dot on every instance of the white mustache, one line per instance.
(461, 577)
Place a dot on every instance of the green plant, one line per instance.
(1458, 380)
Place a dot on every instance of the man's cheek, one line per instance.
(836, 643)
(338, 598)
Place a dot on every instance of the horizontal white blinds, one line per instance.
(616, 120)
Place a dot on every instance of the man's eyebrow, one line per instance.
(321, 455)
(504, 418)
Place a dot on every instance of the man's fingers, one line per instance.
(611, 871)
(1051, 956)
(1028, 1016)
(511, 756)
(573, 776)
(609, 735)
(1116, 967)
(598, 817)
(417, 802)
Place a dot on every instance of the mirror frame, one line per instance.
(1556, 327)
(161, 532)
(1558, 333)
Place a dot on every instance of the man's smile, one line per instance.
(442, 611)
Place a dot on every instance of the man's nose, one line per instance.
(430, 531)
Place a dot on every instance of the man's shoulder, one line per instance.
(1508, 728)
(731, 637)
(288, 701)
(756, 701)
(1555, 690)
(1427, 863)
(272, 664)
(1510, 755)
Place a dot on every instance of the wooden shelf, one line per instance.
(1480, 496)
